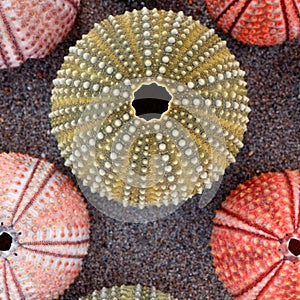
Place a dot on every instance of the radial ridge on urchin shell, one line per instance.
(128, 292)
(258, 22)
(44, 229)
(256, 238)
(161, 161)
(31, 29)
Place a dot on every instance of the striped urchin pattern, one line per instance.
(129, 293)
(258, 22)
(44, 229)
(256, 238)
(31, 29)
(162, 161)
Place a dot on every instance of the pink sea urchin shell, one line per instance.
(31, 29)
(44, 229)
(256, 238)
(259, 22)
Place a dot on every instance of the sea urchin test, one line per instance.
(128, 292)
(258, 22)
(44, 229)
(31, 29)
(165, 160)
(256, 238)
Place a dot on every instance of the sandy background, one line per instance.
(172, 254)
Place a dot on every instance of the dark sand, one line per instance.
(171, 254)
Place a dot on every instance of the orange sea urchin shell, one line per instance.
(44, 229)
(256, 238)
(259, 22)
(31, 29)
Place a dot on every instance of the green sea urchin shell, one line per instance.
(129, 293)
(163, 161)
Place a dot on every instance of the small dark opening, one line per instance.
(294, 246)
(5, 241)
(151, 101)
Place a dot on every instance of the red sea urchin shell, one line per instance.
(44, 229)
(259, 22)
(31, 29)
(256, 238)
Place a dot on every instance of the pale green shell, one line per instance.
(124, 157)
(128, 293)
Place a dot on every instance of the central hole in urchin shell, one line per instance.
(151, 101)
(5, 241)
(294, 246)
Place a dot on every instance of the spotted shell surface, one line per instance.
(124, 157)
(31, 29)
(129, 293)
(44, 229)
(258, 22)
(256, 238)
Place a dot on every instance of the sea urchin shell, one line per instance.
(31, 29)
(256, 238)
(129, 293)
(162, 161)
(44, 229)
(259, 22)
